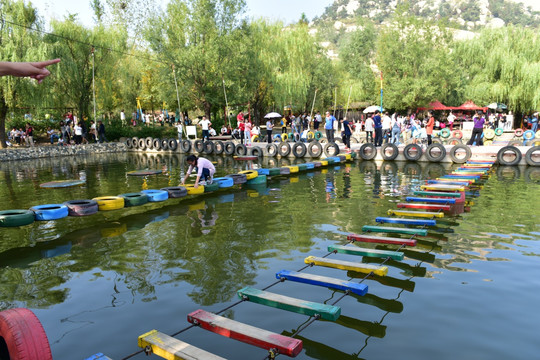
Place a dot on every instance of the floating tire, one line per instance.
(134, 199)
(199, 146)
(256, 151)
(82, 207)
(453, 153)
(173, 144)
(284, 149)
(107, 203)
(331, 149)
(149, 142)
(261, 179)
(176, 191)
(11, 218)
(192, 190)
(367, 151)
(157, 144)
(238, 178)
(409, 151)
(272, 150)
(530, 157)
(393, 153)
(489, 134)
(135, 142)
(22, 336)
(50, 212)
(185, 146)
(165, 144)
(214, 186)
(499, 131)
(457, 134)
(445, 133)
(518, 132)
(156, 195)
(219, 147)
(250, 174)
(229, 148)
(509, 149)
(528, 135)
(240, 150)
(315, 149)
(438, 149)
(208, 147)
(454, 141)
(224, 182)
(299, 149)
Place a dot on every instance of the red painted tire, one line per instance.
(24, 337)
(518, 132)
(457, 134)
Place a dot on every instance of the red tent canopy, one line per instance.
(435, 105)
(469, 105)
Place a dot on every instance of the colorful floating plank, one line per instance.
(443, 187)
(450, 182)
(354, 250)
(144, 172)
(170, 348)
(245, 158)
(245, 333)
(421, 214)
(433, 207)
(389, 220)
(327, 312)
(347, 265)
(317, 280)
(61, 184)
(394, 230)
(437, 193)
(381, 239)
(432, 200)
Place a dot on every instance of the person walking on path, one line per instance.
(269, 127)
(179, 129)
(347, 132)
(329, 126)
(101, 132)
(396, 131)
(29, 135)
(368, 126)
(429, 128)
(478, 129)
(386, 127)
(204, 169)
(377, 125)
(205, 126)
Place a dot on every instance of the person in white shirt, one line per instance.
(212, 132)
(386, 127)
(204, 169)
(269, 127)
(122, 117)
(451, 117)
(205, 126)
(223, 130)
(369, 128)
(180, 129)
(78, 133)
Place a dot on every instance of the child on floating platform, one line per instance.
(204, 168)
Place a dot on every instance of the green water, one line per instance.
(99, 282)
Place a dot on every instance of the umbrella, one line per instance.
(497, 106)
(272, 115)
(372, 109)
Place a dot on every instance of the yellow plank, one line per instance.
(173, 349)
(347, 265)
(422, 214)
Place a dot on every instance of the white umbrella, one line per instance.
(272, 115)
(372, 109)
(492, 106)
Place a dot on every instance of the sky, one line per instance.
(285, 10)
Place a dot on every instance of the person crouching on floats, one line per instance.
(204, 169)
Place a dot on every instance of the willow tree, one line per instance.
(502, 65)
(18, 43)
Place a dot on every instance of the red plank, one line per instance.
(435, 207)
(246, 333)
(381, 239)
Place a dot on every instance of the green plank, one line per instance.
(326, 312)
(437, 193)
(394, 230)
(353, 250)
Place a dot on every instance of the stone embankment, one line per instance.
(14, 154)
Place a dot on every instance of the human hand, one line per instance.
(196, 185)
(34, 70)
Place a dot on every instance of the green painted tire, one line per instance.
(302, 167)
(261, 179)
(445, 133)
(274, 171)
(11, 218)
(318, 135)
(134, 199)
(499, 131)
(211, 187)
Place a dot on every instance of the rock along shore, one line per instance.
(37, 152)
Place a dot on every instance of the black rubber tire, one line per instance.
(529, 154)
(135, 142)
(393, 155)
(284, 149)
(173, 144)
(175, 191)
(299, 149)
(238, 178)
(219, 147)
(502, 151)
(129, 143)
(256, 151)
(502, 172)
(436, 141)
(142, 144)
(272, 150)
(532, 174)
(367, 166)
(157, 144)
(10, 218)
(208, 147)
(240, 150)
(82, 207)
(164, 144)
(367, 156)
(229, 148)
(389, 168)
(185, 146)
(515, 143)
(410, 157)
(315, 149)
(454, 141)
(149, 142)
(328, 149)
(199, 146)
(433, 158)
(412, 168)
(455, 148)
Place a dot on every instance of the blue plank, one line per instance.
(406, 221)
(344, 285)
(430, 200)
(448, 182)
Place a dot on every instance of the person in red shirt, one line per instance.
(241, 127)
(429, 127)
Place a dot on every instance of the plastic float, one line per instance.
(61, 184)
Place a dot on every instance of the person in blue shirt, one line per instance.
(329, 126)
(378, 128)
(534, 122)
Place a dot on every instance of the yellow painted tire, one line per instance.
(106, 203)
(255, 138)
(348, 157)
(191, 190)
(294, 169)
(250, 174)
(489, 134)
(488, 142)
(310, 135)
(284, 137)
(324, 162)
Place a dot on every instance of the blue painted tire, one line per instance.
(11, 218)
(310, 166)
(134, 199)
(528, 135)
(224, 182)
(156, 195)
(261, 179)
(50, 212)
(263, 171)
(176, 191)
(82, 207)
